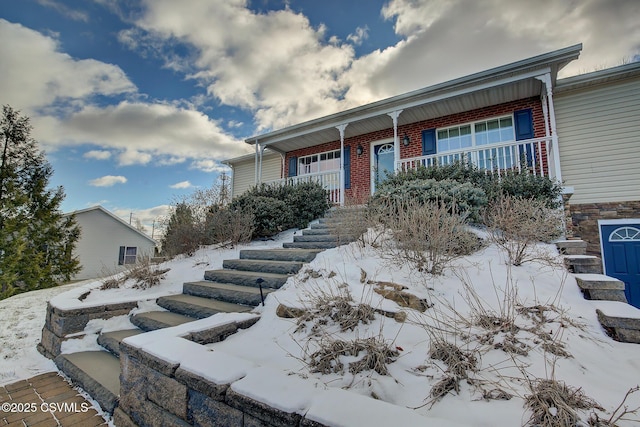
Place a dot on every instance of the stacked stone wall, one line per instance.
(585, 216)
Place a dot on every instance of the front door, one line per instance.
(621, 254)
(383, 163)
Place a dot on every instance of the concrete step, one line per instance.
(297, 255)
(601, 287)
(97, 372)
(245, 295)
(198, 307)
(315, 238)
(310, 245)
(153, 320)
(265, 266)
(571, 247)
(621, 321)
(583, 264)
(317, 232)
(246, 278)
(111, 340)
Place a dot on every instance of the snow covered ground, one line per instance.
(534, 311)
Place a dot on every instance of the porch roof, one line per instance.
(490, 87)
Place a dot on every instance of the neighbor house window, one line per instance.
(323, 162)
(128, 255)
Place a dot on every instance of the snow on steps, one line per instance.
(620, 320)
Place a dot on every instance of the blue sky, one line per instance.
(137, 101)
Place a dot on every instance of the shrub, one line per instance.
(279, 207)
(522, 184)
(516, 224)
(463, 198)
(525, 185)
(227, 226)
(270, 215)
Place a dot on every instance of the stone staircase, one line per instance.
(238, 287)
(620, 320)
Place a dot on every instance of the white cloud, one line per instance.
(97, 155)
(284, 70)
(208, 165)
(277, 65)
(142, 133)
(36, 74)
(76, 15)
(108, 181)
(360, 35)
(181, 185)
(151, 218)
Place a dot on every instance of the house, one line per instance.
(582, 131)
(107, 244)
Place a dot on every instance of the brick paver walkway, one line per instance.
(43, 401)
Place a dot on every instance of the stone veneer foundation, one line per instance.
(584, 220)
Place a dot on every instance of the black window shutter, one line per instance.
(293, 166)
(121, 256)
(347, 167)
(523, 124)
(524, 130)
(428, 142)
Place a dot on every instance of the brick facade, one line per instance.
(360, 165)
(584, 220)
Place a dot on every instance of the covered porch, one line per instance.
(355, 140)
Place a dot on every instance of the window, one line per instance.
(128, 255)
(323, 162)
(455, 138)
(494, 131)
(625, 233)
(479, 133)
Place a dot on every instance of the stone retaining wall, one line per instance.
(584, 220)
(59, 323)
(154, 392)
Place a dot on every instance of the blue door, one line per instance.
(621, 254)
(383, 162)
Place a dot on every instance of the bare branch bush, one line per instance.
(373, 353)
(333, 305)
(229, 227)
(619, 414)
(428, 235)
(144, 274)
(517, 224)
(554, 403)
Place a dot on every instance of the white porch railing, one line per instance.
(329, 180)
(531, 154)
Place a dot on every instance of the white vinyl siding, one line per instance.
(101, 237)
(599, 132)
(244, 172)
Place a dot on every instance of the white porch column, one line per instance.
(396, 143)
(555, 150)
(261, 149)
(341, 129)
(256, 164)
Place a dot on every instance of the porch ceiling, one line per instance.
(503, 84)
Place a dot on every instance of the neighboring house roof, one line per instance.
(120, 220)
(599, 77)
(249, 157)
(491, 87)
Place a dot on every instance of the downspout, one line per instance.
(396, 143)
(341, 129)
(555, 151)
